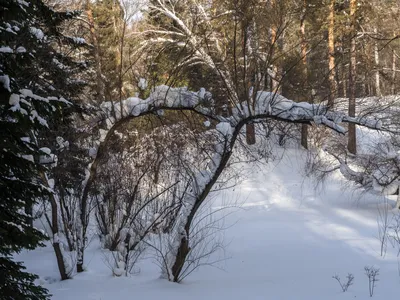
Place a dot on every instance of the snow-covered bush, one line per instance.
(376, 166)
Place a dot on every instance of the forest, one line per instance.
(145, 139)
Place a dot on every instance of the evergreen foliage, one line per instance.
(33, 84)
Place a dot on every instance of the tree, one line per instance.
(331, 53)
(32, 90)
(221, 143)
(352, 142)
(304, 46)
(238, 42)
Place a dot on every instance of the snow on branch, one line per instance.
(267, 105)
(162, 97)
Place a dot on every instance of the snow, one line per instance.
(20, 228)
(10, 30)
(161, 97)
(20, 49)
(59, 64)
(28, 93)
(35, 116)
(142, 84)
(92, 152)
(28, 157)
(79, 40)
(224, 128)
(286, 242)
(37, 32)
(5, 80)
(24, 3)
(5, 49)
(266, 105)
(45, 150)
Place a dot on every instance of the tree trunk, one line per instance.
(191, 210)
(275, 81)
(80, 247)
(352, 139)
(393, 84)
(53, 223)
(100, 89)
(398, 199)
(304, 127)
(344, 79)
(331, 54)
(376, 57)
(60, 260)
(120, 66)
(29, 212)
(180, 260)
(247, 85)
(250, 134)
(304, 136)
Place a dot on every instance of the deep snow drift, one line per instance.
(285, 242)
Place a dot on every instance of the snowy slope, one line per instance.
(286, 242)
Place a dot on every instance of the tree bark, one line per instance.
(184, 247)
(53, 223)
(376, 58)
(250, 134)
(331, 54)
(96, 53)
(304, 127)
(398, 199)
(393, 83)
(29, 212)
(275, 81)
(352, 138)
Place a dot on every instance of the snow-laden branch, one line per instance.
(163, 97)
(267, 105)
(376, 170)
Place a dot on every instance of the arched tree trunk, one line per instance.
(184, 245)
(182, 101)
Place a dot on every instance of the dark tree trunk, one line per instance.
(304, 136)
(250, 134)
(53, 223)
(183, 251)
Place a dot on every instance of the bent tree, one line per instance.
(226, 132)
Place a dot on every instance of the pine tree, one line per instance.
(33, 84)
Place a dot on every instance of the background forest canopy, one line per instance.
(131, 112)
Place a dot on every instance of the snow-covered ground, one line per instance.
(286, 242)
